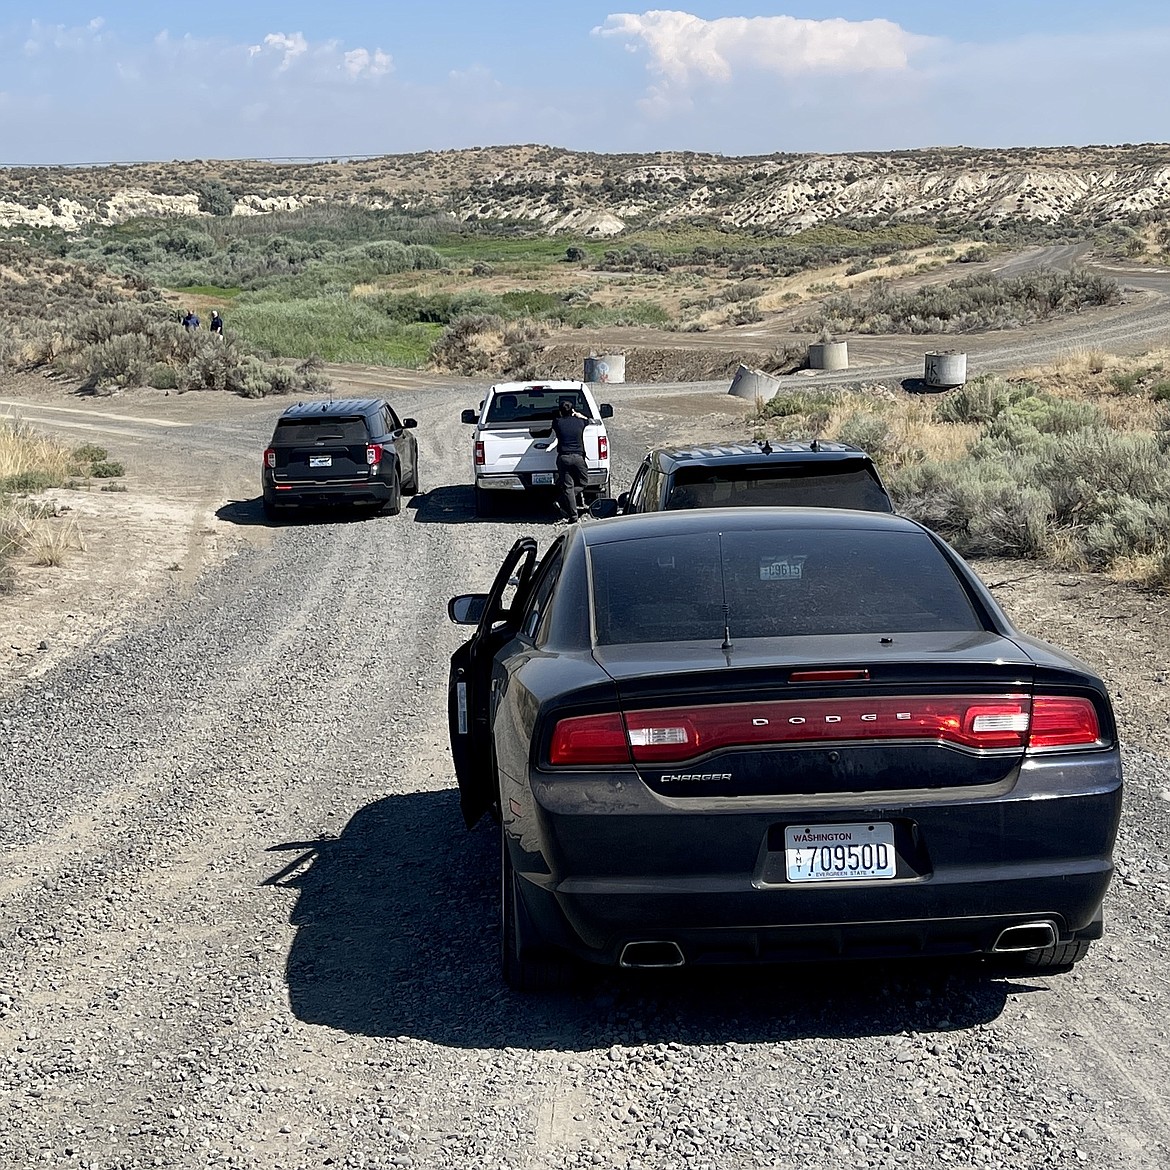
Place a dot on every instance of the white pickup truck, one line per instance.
(513, 449)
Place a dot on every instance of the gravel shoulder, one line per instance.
(241, 924)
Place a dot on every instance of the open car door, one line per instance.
(469, 698)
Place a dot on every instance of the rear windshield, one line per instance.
(292, 432)
(777, 584)
(777, 485)
(533, 405)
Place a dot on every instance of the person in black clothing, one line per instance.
(216, 325)
(572, 475)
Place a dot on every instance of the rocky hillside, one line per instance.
(603, 195)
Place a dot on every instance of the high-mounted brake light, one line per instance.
(373, 454)
(858, 675)
(480, 458)
(270, 456)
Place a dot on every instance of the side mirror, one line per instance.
(410, 423)
(623, 501)
(469, 416)
(606, 410)
(603, 509)
(467, 609)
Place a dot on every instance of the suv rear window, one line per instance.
(777, 584)
(777, 485)
(533, 405)
(293, 432)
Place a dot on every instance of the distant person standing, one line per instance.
(215, 325)
(572, 474)
(190, 321)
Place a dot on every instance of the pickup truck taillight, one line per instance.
(602, 447)
(480, 459)
(270, 456)
(373, 454)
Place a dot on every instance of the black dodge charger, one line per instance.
(770, 735)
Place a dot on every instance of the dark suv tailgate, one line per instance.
(320, 448)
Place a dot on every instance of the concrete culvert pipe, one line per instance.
(828, 355)
(606, 368)
(754, 385)
(945, 368)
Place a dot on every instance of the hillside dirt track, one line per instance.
(241, 924)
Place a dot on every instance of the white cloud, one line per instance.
(362, 61)
(684, 48)
(46, 37)
(289, 47)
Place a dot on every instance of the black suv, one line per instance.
(810, 474)
(345, 451)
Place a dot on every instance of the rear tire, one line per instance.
(394, 504)
(1056, 959)
(484, 504)
(271, 512)
(526, 967)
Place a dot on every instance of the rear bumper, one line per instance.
(522, 481)
(707, 880)
(326, 493)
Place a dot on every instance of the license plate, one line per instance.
(320, 460)
(840, 853)
(542, 478)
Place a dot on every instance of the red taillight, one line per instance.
(270, 456)
(479, 455)
(602, 447)
(373, 454)
(672, 735)
(1063, 722)
(590, 739)
(983, 723)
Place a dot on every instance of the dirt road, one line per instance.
(241, 924)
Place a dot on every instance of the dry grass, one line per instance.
(29, 462)
(25, 452)
(46, 542)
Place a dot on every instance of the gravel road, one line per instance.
(242, 925)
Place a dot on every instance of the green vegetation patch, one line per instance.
(337, 329)
(1045, 476)
(210, 290)
(980, 302)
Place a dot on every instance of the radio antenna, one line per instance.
(727, 643)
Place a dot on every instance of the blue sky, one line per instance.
(100, 82)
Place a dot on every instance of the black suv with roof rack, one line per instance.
(343, 451)
(813, 473)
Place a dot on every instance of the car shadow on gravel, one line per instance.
(250, 514)
(396, 936)
(455, 504)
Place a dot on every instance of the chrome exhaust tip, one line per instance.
(1028, 936)
(651, 954)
